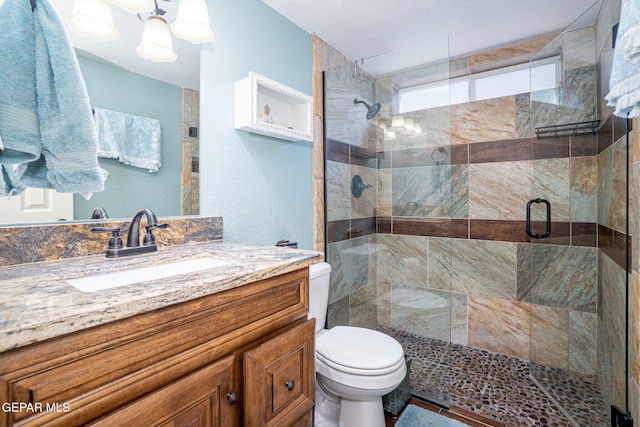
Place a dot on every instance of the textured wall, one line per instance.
(261, 186)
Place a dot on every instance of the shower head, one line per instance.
(372, 109)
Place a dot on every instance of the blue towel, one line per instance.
(624, 85)
(133, 140)
(46, 124)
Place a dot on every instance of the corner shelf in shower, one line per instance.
(569, 129)
(266, 107)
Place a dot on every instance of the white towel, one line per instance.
(133, 140)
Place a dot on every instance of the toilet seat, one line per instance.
(359, 351)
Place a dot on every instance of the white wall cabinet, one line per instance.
(266, 107)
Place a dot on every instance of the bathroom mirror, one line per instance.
(118, 80)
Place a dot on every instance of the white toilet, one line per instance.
(355, 367)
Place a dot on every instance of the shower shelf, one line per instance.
(267, 107)
(569, 129)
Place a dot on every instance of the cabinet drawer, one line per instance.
(198, 400)
(279, 378)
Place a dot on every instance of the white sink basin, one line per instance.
(129, 277)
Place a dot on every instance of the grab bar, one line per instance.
(548, 231)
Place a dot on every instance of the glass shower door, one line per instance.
(575, 283)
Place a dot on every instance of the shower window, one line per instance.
(522, 78)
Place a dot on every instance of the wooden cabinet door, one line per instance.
(197, 400)
(279, 379)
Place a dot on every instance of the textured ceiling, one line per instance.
(397, 34)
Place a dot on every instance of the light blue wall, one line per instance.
(261, 186)
(129, 189)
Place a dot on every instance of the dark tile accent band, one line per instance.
(562, 233)
(584, 234)
(500, 151)
(584, 145)
(605, 135)
(500, 230)
(550, 148)
(337, 151)
(612, 243)
(432, 227)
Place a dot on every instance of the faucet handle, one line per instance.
(149, 238)
(115, 242)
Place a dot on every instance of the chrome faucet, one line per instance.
(133, 247)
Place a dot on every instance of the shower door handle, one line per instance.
(548, 230)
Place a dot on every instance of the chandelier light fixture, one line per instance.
(92, 18)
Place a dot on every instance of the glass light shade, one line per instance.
(92, 18)
(135, 6)
(397, 121)
(417, 128)
(156, 42)
(192, 22)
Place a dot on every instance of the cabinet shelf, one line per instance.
(266, 107)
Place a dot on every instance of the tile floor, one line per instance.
(498, 388)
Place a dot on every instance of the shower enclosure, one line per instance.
(496, 223)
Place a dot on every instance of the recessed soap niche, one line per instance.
(267, 107)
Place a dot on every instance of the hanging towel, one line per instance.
(624, 84)
(46, 124)
(133, 140)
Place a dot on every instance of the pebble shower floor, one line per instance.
(497, 386)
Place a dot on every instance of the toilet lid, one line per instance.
(358, 349)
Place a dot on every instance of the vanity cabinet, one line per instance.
(244, 356)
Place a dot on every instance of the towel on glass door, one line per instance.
(133, 140)
(624, 85)
(46, 126)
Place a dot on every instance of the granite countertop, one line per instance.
(37, 303)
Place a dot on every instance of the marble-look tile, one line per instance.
(383, 303)
(338, 184)
(618, 205)
(488, 120)
(499, 190)
(613, 306)
(425, 312)
(403, 259)
(578, 48)
(385, 191)
(428, 191)
(439, 259)
(459, 191)
(549, 336)
(563, 277)
(349, 261)
(635, 326)
(605, 186)
(364, 206)
(338, 313)
(362, 307)
(584, 196)
(582, 342)
(484, 268)
(500, 326)
(523, 116)
(578, 95)
(524, 267)
(439, 125)
(486, 60)
(550, 181)
(459, 319)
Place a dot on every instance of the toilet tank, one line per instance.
(319, 275)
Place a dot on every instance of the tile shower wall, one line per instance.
(449, 236)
